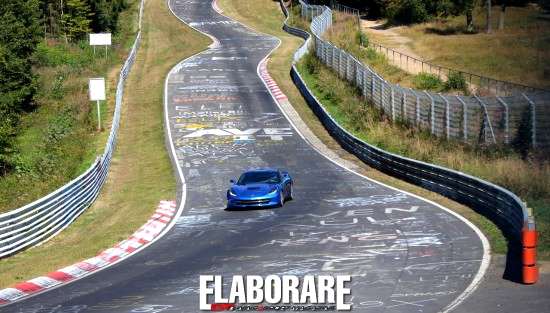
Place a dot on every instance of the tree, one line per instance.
(488, 22)
(75, 20)
(20, 33)
(503, 5)
(106, 14)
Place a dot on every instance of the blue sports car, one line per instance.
(260, 188)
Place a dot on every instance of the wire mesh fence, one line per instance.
(517, 118)
(477, 84)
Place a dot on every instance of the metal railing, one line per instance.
(521, 118)
(44, 218)
(503, 207)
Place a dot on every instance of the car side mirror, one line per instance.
(232, 181)
(285, 174)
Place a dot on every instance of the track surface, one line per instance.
(405, 254)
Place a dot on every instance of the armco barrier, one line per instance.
(44, 218)
(500, 205)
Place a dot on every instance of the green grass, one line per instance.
(141, 173)
(531, 181)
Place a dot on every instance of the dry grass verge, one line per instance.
(520, 53)
(141, 172)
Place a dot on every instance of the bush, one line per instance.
(456, 81)
(406, 11)
(426, 81)
(361, 39)
(311, 63)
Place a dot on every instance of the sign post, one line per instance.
(97, 93)
(100, 39)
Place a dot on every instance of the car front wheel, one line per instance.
(290, 195)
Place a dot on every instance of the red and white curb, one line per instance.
(163, 215)
(270, 82)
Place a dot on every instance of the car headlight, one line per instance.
(273, 190)
(232, 193)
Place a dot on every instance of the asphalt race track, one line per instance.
(405, 254)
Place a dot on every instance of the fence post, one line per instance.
(417, 108)
(381, 94)
(506, 120)
(432, 112)
(464, 119)
(364, 81)
(372, 85)
(392, 104)
(533, 120)
(447, 117)
(403, 103)
(487, 118)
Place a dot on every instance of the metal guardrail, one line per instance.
(44, 218)
(500, 205)
(521, 118)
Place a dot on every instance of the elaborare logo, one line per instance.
(286, 290)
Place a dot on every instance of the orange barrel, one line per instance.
(529, 237)
(530, 274)
(529, 256)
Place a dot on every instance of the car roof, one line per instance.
(263, 169)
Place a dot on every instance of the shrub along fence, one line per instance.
(41, 220)
(500, 205)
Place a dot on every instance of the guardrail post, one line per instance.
(432, 112)
(533, 121)
(447, 117)
(506, 120)
(464, 119)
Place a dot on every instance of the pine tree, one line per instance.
(19, 34)
(76, 19)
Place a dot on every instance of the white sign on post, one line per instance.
(101, 39)
(97, 93)
(97, 89)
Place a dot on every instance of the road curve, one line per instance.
(406, 254)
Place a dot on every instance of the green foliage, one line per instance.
(456, 81)
(106, 13)
(61, 54)
(361, 39)
(19, 34)
(76, 20)
(311, 63)
(426, 81)
(406, 11)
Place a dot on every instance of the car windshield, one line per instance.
(269, 177)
